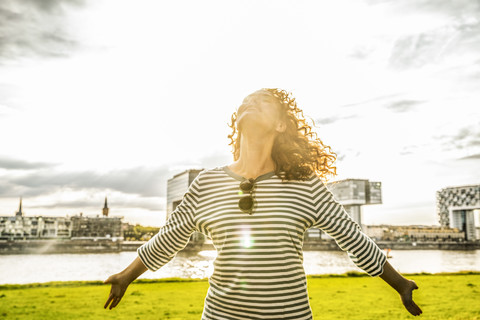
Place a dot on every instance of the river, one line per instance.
(21, 269)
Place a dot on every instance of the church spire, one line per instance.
(105, 208)
(19, 213)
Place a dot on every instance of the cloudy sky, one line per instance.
(113, 97)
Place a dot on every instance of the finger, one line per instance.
(417, 308)
(110, 298)
(111, 305)
(115, 302)
(410, 308)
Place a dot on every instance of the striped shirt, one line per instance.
(258, 272)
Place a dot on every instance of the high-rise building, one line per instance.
(459, 207)
(355, 193)
(176, 189)
(352, 194)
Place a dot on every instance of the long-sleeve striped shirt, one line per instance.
(258, 272)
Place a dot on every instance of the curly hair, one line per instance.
(297, 152)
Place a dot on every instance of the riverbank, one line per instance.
(103, 245)
(445, 296)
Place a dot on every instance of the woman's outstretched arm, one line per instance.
(331, 217)
(161, 248)
(121, 281)
(403, 286)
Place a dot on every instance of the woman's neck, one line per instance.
(255, 156)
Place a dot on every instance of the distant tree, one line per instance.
(138, 232)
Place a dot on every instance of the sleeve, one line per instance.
(175, 234)
(331, 217)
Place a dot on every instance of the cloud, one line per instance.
(414, 51)
(52, 6)
(216, 160)
(17, 164)
(6, 189)
(459, 36)
(347, 153)
(340, 156)
(396, 102)
(333, 119)
(35, 28)
(465, 76)
(328, 120)
(361, 52)
(465, 138)
(5, 111)
(43, 179)
(472, 157)
(9, 97)
(152, 204)
(469, 136)
(375, 99)
(457, 8)
(415, 149)
(138, 181)
(403, 105)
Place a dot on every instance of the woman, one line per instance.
(256, 211)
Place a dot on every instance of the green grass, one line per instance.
(350, 296)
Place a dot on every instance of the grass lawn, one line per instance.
(352, 296)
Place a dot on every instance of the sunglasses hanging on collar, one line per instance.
(247, 202)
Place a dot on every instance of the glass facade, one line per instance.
(374, 193)
(458, 207)
(349, 191)
(354, 193)
(176, 188)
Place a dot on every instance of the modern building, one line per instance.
(459, 207)
(355, 193)
(177, 186)
(352, 194)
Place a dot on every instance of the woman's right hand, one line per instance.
(121, 281)
(406, 296)
(119, 284)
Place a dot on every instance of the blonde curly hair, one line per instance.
(297, 152)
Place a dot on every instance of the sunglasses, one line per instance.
(246, 203)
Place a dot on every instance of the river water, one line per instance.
(21, 269)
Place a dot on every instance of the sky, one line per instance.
(114, 97)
